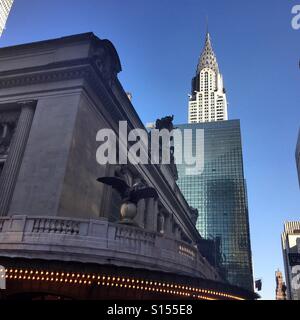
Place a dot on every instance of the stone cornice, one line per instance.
(43, 77)
(89, 68)
(46, 44)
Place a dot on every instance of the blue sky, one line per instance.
(159, 42)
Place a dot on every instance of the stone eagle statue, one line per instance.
(129, 194)
(165, 123)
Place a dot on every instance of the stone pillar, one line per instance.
(151, 215)
(161, 221)
(178, 233)
(169, 224)
(140, 217)
(13, 162)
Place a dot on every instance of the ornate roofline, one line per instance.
(208, 58)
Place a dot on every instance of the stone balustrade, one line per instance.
(187, 251)
(134, 236)
(99, 241)
(56, 226)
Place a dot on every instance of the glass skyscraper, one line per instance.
(5, 7)
(219, 194)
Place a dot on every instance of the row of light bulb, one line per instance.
(113, 281)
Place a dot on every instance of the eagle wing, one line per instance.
(144, 193)
(116, 183)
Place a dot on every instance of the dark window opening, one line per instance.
(1, 167)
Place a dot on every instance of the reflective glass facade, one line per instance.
(219, 194)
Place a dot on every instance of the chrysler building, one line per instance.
(208, 98)
(5, 6)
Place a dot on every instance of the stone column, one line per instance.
(178, 232)
(14, 159)
(161, 220)
(169, 224)
(151, 215)
(140, 217)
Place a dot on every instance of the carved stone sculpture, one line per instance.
(107, 61)
(165, 123)
(130, 196)
(194, 215)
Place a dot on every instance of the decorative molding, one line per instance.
(134, 236)
(106, 60)
(43, 77)
(44, 225)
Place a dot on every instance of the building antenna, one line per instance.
(207, 24)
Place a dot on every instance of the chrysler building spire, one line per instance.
(208, 99)
(208, 58)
